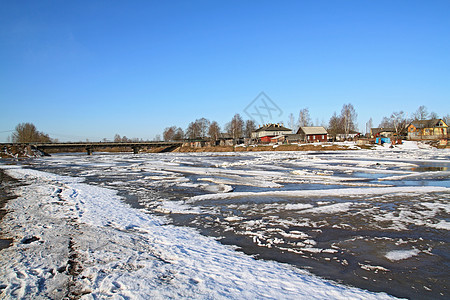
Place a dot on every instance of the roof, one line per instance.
(428, 123)
(312, 130)
(293, 136)
(381, 129)
(272, 127)
(277, 137)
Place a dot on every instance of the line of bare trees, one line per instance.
(346, 122)
(205, 129)
(399, 120)
(343, 123)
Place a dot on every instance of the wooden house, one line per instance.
(382, 132)
(350, 136)
(433, 129)
(312, 134)
(278, 139)
(265, 133)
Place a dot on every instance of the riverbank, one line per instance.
(6, 182)
(271, 147)
(18, 153)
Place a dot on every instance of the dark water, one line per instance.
(346, 239)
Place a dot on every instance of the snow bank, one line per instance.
(79, 239)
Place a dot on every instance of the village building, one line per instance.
(433, 129)
(350, 136)
(313, 134)
(278, 139)
(265, 133)
(382, 132)
(293, 138)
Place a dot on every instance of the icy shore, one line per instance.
(75, 239)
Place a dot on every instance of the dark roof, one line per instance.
(350, 132)
(428, 123)
(272, 127)
(292, 136)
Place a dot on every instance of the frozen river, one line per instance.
(372, 219)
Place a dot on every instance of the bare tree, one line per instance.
(304, 119)
(117, 138)
(335, 125)
(397, 120)
(169, 133)
(421, 113)
(27, 133)
(214, 131)
(157, 138)
(446, 119)
(369, 126)
(433, 115)
(203, 125)
(179, 134)
(348, 116)
(292, 124)
(250, 126)
(236, 127)
(386, 123)
(193, 131)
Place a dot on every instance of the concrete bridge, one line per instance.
(89, 147)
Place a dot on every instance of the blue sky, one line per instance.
(91, 69)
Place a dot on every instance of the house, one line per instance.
(433, 129)
(351, 135)
(382, 132)
(293, 138)
(278, 139)
(225, 139)
(313, 134)
(266, 132)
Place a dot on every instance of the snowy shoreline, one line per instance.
(71, 238)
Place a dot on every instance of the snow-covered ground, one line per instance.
(360, 213)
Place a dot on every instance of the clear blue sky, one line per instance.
(90, 69)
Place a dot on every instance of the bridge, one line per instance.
(89, 147)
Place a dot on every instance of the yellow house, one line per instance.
(433, 129)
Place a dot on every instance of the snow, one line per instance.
(280, 200)
(401, 254)
(86, 238)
